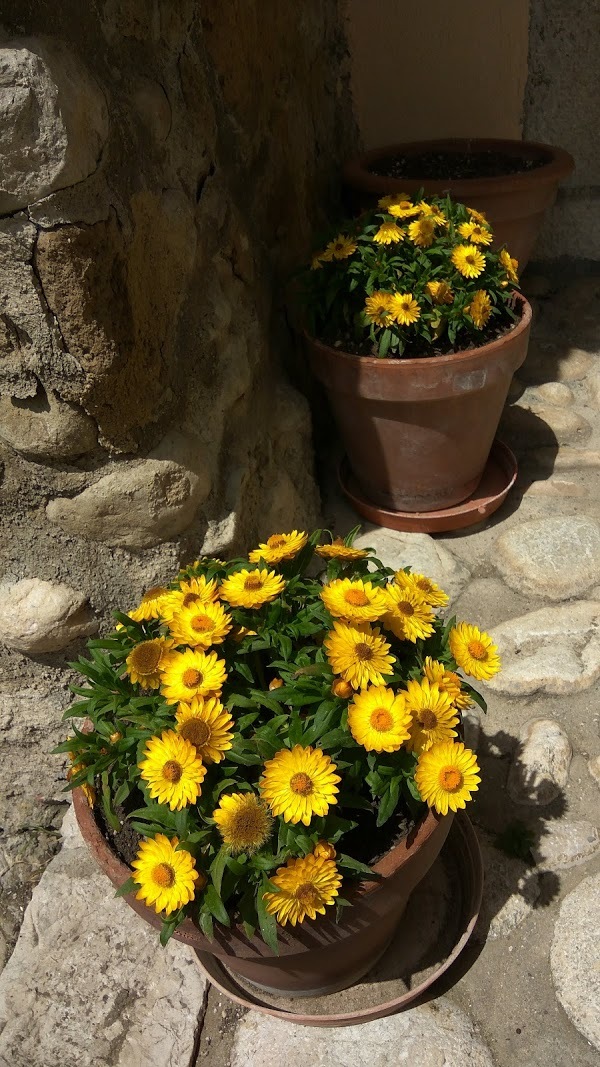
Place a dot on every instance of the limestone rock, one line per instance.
(551, 557)
(46, 427)
(543, 425)
(559, 488)
(142, 503)
(548, 362)
(593, 385)
(594, 769)
(38, 616)
(53, 121)
(84, 955)
(566, 844)
(510, 892)
(566, 459)
(428, 1036)
(556, 393)
(421, 552)
(574, 958)
(540, 768)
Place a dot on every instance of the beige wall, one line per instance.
(438, 68)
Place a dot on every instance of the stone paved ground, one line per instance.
(87, 984)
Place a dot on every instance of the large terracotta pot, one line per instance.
(316, 957)
(418, 432)
(514, 203)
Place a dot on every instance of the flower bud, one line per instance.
(276, 683)
(341, 688)
(115, 737)
(323, 850)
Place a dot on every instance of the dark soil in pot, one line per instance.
(454, 166)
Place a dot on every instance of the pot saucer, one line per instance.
(437, 923)
(499, 476)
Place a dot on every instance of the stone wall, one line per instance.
(162, 166)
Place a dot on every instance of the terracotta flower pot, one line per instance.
(418, 432)
(315, 957)
(514, 203)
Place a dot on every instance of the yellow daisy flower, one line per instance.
(510, 265)
(480, 308)
(433, 211)
(251, 589)
(432, 713)
(422, 231)
(447, 682)
(355, 601)
(244, 822)
(208, 726)
(405, 309)
(378, 308)
(423, 586)
(146, 661)
(305, 887)
(388, 233)
(172, 770)
(192, 674)
(359, 654)
(468, 260)
(440, 292)
(299, 783)
(192, 591)
(479, 216)
(409, 616)
(401, 207)
(200, 625)
(338, 550)
(340, 248)
(279, 547)
(446, 775)
(386, 201)
(474, 651)
(379, 720)
(150, 606)
(476, 233)
(166, 874)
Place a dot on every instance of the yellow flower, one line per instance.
(440, 292)
(208, 726)
(279, 547)
(338, 550)
(340, 248)
(244, 822)
(150, 606)
(251, 589)
(433, 715)
(479, 216)
(88, 790)
(192, 674)
(388, 233)
(146, 661)
(468, 260)
(324, 850)
(447, 682)
(446, 775)
(299, 783)
(386, 201)
(378, 719)
(409, 616)
(423, 586)
(190, 592)
(422, 231)
(401, 207)
(405, 309)
(172, 770)
(356, 601)
(480, 308)
(510, 265)
(378, 308)
(359, 654)
(473, 651)
(305, 887)
(316, 262)
(434, 211)
(165, 874)
(201, 625)
(475, 232)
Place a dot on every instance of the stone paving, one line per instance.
(87, 983)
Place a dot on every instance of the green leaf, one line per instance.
(389, 802)
(128, 887)
(217, 867)
(205, 923)
(215, 905)
(350, 864)
(266, 922)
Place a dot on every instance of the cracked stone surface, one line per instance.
(575, 959)
(556, 558)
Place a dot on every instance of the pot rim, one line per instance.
(559, 165)
(403, 366)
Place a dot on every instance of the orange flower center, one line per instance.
(192, 678)
(427, 719)
(405, 608)
(156, 591)
(301, 783)
(356, 597)
(424, 584)
(190, 598)
(450, 779)
(470, 259)
(363, 651)
(172, 771)
(381, 720)
(164, 875)
(308, 895)
(145, 658)
(276, 541)
(202, 623)
(477, 649)
(196, 731)
(253, 581)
